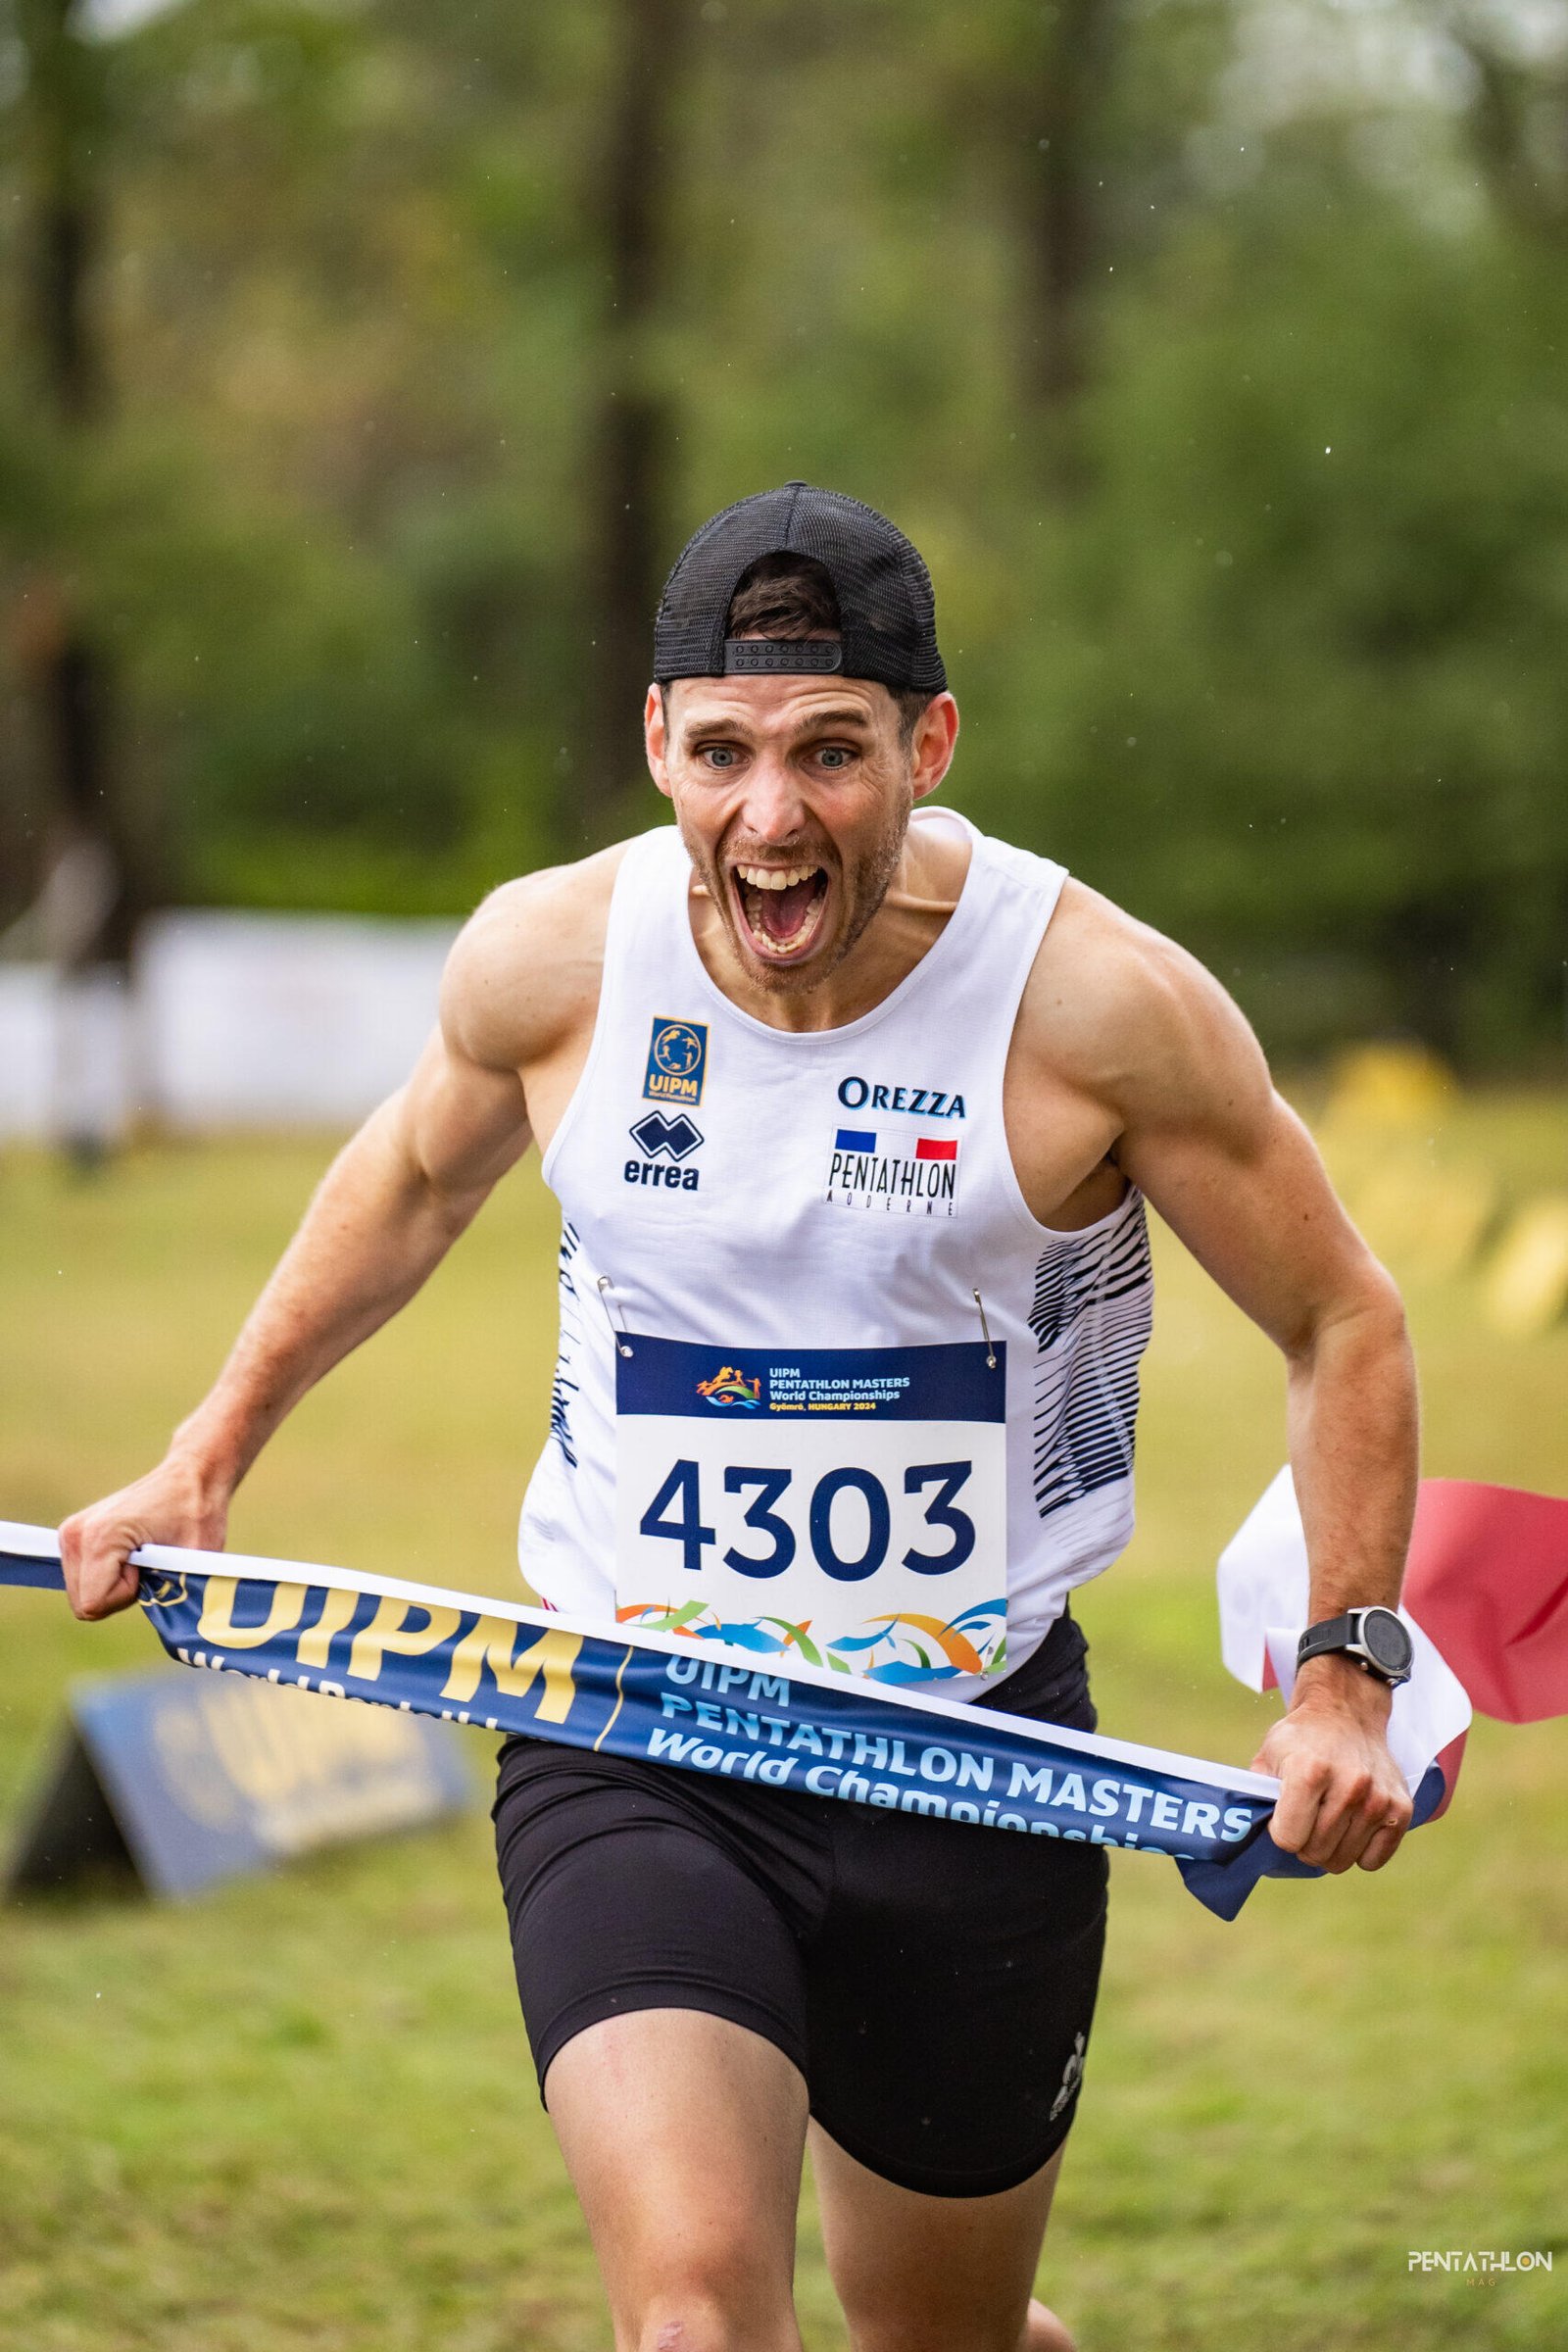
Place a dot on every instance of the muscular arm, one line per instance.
(518, 986)
(1201, 1130)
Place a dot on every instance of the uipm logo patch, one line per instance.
(677, 1062)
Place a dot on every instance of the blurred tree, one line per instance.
(630, 446)
(432, 333)
(1519, 116)
(102, 870)
(1062, 91)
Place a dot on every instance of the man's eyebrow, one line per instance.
(818, 721)
(837, 718)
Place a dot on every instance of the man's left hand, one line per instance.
(1343, 1798)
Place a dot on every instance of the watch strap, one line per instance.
(1329, 1634)
(1346, 1634)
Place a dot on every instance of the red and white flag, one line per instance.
(1485, 1599)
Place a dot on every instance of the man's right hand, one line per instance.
(176, 1503)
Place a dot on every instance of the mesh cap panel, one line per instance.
(887, 613)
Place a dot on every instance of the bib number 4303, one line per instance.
(845, 1506)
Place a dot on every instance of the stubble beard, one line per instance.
(864, 888)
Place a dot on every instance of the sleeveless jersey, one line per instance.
(826, 1388)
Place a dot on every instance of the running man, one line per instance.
(846, 1103)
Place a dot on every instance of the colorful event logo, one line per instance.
(730, 1387)
(902, 1645)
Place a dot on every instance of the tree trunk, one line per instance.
(631, 443)
(67, 673)
(1062, 101)
(89, 902)
(1519, 128)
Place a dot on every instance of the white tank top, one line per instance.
(826, 1388)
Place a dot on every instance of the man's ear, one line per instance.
(655, 738)
(936, 732)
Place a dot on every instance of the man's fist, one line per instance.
(1343, 1798)
(173, 1504)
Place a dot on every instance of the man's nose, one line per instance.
(774, 809)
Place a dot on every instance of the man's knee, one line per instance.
(705, 2318)
(706, 2307)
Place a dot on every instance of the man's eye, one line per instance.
(834, 754)
(718, 754)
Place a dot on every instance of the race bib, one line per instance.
(848, 1504)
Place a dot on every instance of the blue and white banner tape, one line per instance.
(708, 1709)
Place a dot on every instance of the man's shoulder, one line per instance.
(528, 962)
(1116, 1007)
(558, 905)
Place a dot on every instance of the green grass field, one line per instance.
(300, 2113)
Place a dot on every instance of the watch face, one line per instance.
(1386, 1640)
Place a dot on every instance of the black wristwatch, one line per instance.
(1376, 1640)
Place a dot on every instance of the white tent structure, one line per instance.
(228, 1021)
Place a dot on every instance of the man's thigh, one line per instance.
(684, 2134)
(653, 1926)
(632, 1887)
(923, 2273)
(949, 2001)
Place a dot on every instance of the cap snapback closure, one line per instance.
(796, 655)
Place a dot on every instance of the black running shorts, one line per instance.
(934, 1981)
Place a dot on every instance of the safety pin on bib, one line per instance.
(991, 1352)
(607, 1289)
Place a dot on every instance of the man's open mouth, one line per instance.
(781, 906)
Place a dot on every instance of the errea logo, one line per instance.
(680, 1136)
(660, 1139)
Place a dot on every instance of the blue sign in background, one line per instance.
(208, 1777)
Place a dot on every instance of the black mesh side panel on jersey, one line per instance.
(886, 606)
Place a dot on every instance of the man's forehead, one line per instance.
(776, 705)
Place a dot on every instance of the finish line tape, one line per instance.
(660, 1700)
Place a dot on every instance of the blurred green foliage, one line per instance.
(1245, 491)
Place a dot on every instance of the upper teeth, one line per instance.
(772, 878)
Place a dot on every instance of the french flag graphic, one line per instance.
(927, 1147)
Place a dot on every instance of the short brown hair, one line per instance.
(789, 596)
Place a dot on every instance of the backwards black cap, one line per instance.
(887, 613)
